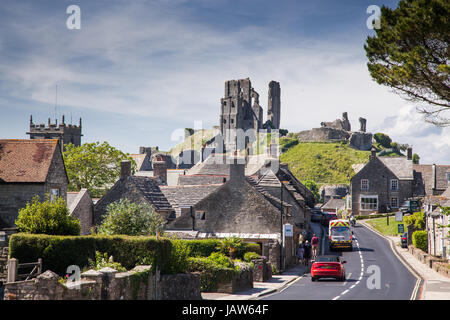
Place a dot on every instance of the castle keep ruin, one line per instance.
(239, 111)
(339, 130)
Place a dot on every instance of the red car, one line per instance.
(328, 267)
(327, 217)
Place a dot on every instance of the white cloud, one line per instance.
(143, 60)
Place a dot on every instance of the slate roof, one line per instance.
(201, 179)
(187, 195)
(151, 189)
(333, 204)
(139, 159)
(266, 194)
(424, 176)
(26, 160)
(400, 166)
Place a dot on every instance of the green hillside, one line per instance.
(322, 162)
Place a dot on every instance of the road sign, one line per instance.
(401, 228)
(398, 216)
(288, 230)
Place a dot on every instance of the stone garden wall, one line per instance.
(108, 284)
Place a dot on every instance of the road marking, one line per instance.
(361, 274)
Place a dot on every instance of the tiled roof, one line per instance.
(400, 166)
(187, 195)
(266, 194)
(139, 159)
(26, 160)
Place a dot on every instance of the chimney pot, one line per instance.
(409, 153)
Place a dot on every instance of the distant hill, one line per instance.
(322, 162)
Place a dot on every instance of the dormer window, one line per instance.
(364, 184)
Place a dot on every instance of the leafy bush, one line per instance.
(129, 218)
(417, 219)
(249, 256)
(420, 240)
(232, 247)
(221, 259)
(211, 272)
(48, 217)
(102, 261)
(59, 252)
(383, 139)
(178, 262)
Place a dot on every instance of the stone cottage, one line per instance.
(139, 189)
(81, 207)
(29, 168)
(383, 183)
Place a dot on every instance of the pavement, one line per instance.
(433, 286)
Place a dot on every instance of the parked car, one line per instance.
(404, 240)
(316, 215)
(327, 217)
(410, 206)
(328, 267)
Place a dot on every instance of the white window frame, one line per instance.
(54, 194)
(365, 180)
(392, 206)
(392, 185)
(368, 197)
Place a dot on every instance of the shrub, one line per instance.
(221, 259)
(59, 252)
(48, 217)
(211, 273)
(249, 256)
(417, 219)
(178, 262)
(420, 240)
(102, 261)
(383, 139)
(133, 219)
(202, 248)
(232, 247)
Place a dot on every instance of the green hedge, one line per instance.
(204, 248)
(211, 273)
(420, 240)
(59, 252)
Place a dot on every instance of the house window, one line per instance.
(369, 202)
(448, 176)
(54, 193)
(394, 184)
(200, 215)
(394, 202)
(364, 184)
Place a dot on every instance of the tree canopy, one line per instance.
(94, 166)
(410, 54)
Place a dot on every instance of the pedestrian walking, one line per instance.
(307, 252)
(300, 254)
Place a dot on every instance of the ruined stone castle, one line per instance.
(340, 130)
(240, 109)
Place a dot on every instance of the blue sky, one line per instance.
(137, 72)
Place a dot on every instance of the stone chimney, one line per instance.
(373, 153)
(409, 153)
(125, 169)
(237, 169)
(433, 178)
(160, 167)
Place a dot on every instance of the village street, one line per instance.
(371, 253)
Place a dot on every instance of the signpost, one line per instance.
(401, 228)
(399, 216)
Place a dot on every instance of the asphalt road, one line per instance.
(371, 256)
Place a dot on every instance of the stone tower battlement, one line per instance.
(66, 133)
